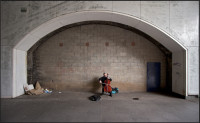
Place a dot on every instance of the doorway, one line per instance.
(153, 76)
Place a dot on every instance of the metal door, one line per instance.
(153, 76)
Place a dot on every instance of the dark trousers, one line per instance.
(103, 88)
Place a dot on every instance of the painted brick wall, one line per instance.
(75, 58)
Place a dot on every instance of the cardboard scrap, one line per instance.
(37, 86)
(38, 90)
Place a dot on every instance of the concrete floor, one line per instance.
(75, 107)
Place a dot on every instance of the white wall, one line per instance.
(19, 72)
(142, 25)
(178, 19)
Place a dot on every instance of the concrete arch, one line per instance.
(179, 52)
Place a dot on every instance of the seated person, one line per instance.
(102, 80)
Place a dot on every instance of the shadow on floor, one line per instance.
(169, 94)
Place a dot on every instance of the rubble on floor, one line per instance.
(31, 91)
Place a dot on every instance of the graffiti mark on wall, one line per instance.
(177, 64)
(178, 73)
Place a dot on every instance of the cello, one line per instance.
(107, 87)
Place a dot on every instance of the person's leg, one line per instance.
(111, 93)
(102, 89)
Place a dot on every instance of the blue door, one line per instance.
(153, 76)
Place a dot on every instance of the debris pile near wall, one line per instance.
(38, 90)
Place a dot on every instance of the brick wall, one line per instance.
(75, 58)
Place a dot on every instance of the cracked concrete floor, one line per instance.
(76, 107)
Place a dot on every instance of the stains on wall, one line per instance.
(75, 56)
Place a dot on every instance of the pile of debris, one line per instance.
(29, 89)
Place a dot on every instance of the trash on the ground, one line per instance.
(59, 92)
(47, 91)
(26, 88)
(30, 87)
(29, 91)
(95, 98)
(136, 98)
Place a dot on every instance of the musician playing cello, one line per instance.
(104, 79)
